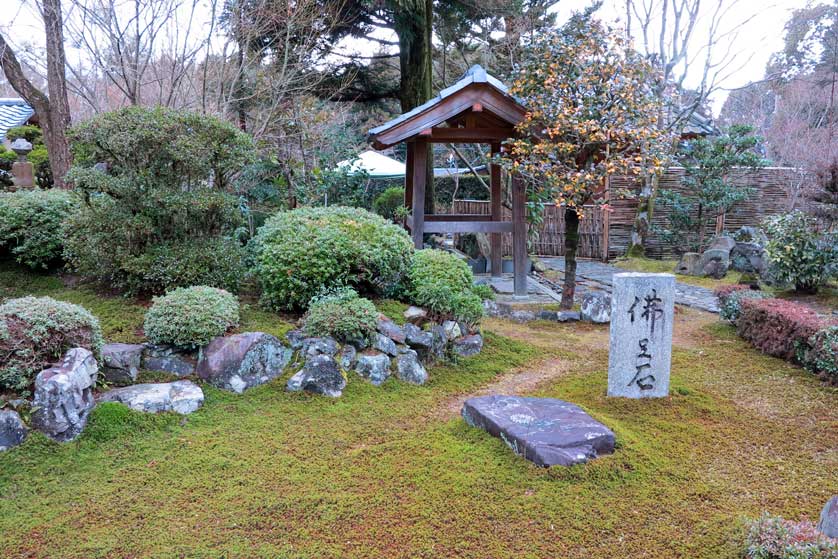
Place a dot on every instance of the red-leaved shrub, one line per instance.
(776, 326)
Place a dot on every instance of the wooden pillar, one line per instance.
(497, 215)
(418, 170)
(519, 236)
(408, 178)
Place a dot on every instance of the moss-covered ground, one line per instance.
(393, 472)
(653, 266)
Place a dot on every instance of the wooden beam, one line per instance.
(418, 170)
(408, 179)
(468, 135)
(468, 226)
(495, 197)
(477, 108)
(455, 217)
(519, 236)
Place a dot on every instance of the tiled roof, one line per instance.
(475, 74)
(13, 112)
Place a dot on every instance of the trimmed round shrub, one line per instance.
(820, 354)
(37, 331)
(191, 317)
(776, 326)
(299, 253)
(797, 253)
(386, 203)
(342, 314)
(731, 306)
(31, 222)
(444, 284)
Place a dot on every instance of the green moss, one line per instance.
(652, 266)
(392, 309)
(392, 471)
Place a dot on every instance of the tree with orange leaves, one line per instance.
(591, 113)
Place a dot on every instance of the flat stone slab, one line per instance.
(183, 397)
(545, 431)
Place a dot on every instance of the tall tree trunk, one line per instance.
(571, 243)
(413, 23)
(53, 111)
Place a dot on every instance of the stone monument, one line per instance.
(640, 352)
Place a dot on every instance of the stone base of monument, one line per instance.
(545, 431)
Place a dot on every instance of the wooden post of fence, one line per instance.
(606, 221)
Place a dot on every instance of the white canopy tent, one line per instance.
(380, 166)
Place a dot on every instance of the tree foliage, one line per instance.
(708, 188)
(591, 113)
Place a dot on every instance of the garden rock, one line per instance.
(722, 242)
(390, 329)
(522, 316)
(347, 357)
(415, 315)
(319, 375)
(466, 346)
(121, 362)
(409, 369)
(828, 523)
(417, 338)
(545, 431)
(689, 264)
(748, 258)
(242, 361)
(439, 343)
(452, 329)
(182, 396)
(715, 262)
(12, 430)
(749, 234)
(373, 366)
(596, 307)
(64, 395)
(169, 360)
(319, 346)
(295, 339)
(385, 345)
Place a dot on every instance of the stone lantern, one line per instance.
(22, 170)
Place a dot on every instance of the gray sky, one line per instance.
(757, 39)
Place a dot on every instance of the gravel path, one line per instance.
(685, 294)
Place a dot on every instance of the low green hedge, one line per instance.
(31, 225)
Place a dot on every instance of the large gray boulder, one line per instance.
(722, 242)
(410, 369)
(466, 346)
(384, 344)
(169, 359)
(748, 234)
(440, 342)
(319, 375)
(320, 346)
(545, 431)
(64, 395)
(390, 329)
(715, 262)
(182, 396)
(596, 307)
(242, 361)
(12, 430)
(121, 362)
(828, 523)
(418, 339)
(295, 339)
(373, 366)
(689, 264)
(750, 258)
(347, 357)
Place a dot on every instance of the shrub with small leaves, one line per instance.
(731, 306)
(386, 203)
(191, 317)
(820, 354)
(37, 331)
(31, 225)
(299, 253)
(341, 314)
(444, 284)
(797, 253)
(771, 537)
